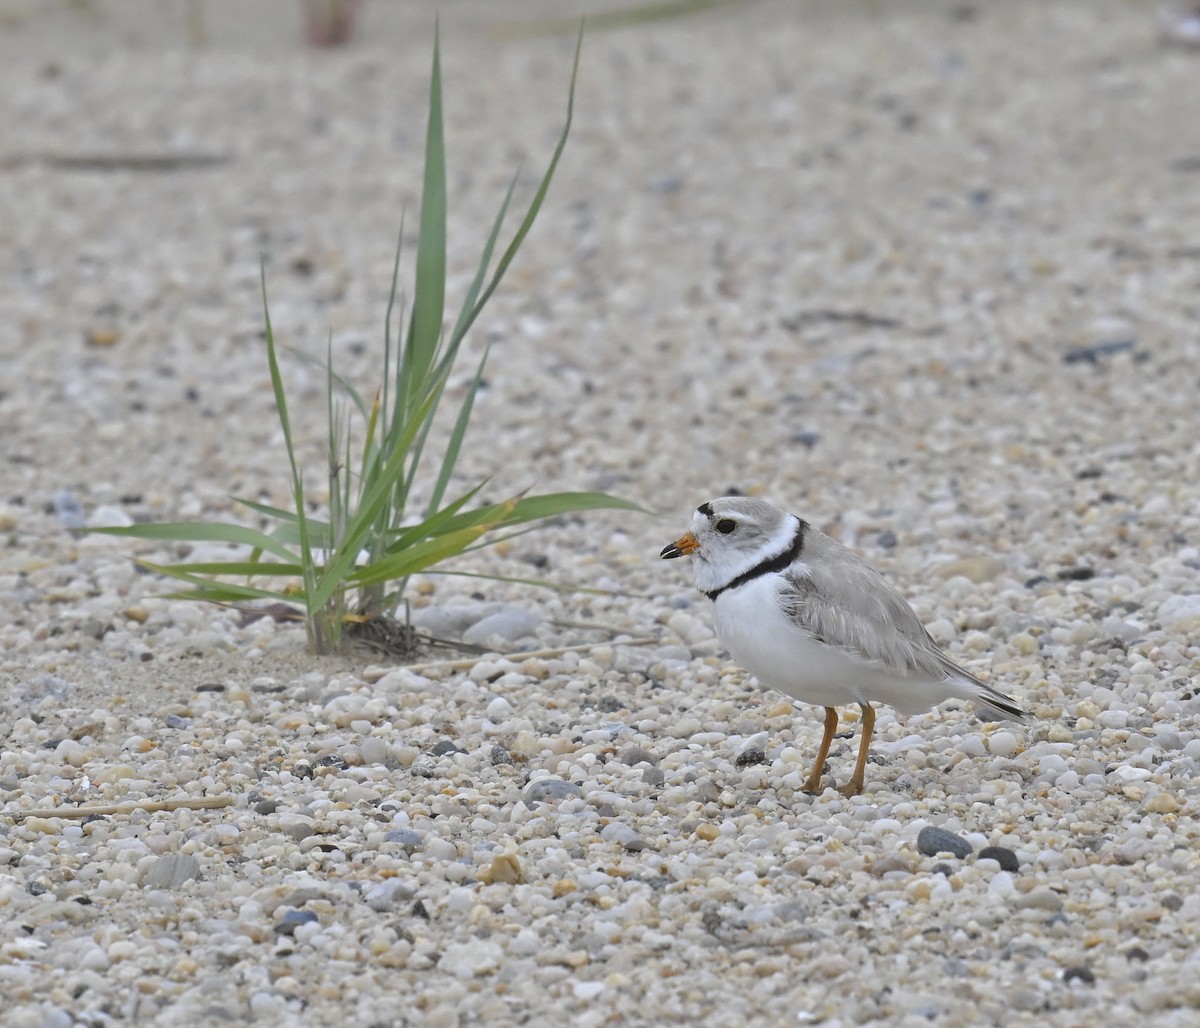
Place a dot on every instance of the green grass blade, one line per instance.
(418, 557)
(278, 513)
(286, 426)
(217, 592)
(434, 524)
(454, 443)
(429, 299)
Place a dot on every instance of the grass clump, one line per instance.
(352, 565)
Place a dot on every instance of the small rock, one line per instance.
(389, 894)
(1162, 803)
(293, 919)
(623, 836)
(892, 862)
(1003, 856)
(108, 517)
(631, 756)
(70, 513)
(1092, 354)
(444, 747)
(468, 959)
(1002, 744)
(405, 837)
(172, 870)
(1079, 974)
(748, 758)
(932, 840)
(504, 868)
(547, 790)
(1039, 899)
(510, 624)
(451, 621)
(500, 755)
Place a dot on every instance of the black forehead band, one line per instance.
(705, 509)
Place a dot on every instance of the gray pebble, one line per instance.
(292, 920)
(405, 837)
(623, 836)
(933, 840)
(451, 621)
(631, 756)
(389, 895)
(1039, 899)
(653, 776)
(500, 755)
(545, 790)
(172, 870)
(509, 624)
(70, 513)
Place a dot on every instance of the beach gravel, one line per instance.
(926, 274)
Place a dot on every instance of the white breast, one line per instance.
(752, 625)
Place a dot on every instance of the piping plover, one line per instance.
(810, 618)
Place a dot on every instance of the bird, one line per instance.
(812, 619)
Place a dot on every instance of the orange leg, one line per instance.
(855, 785)
(814, 780)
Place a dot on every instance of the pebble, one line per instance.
(171, 871)
(914, 318)
(932, 840)
(1003, 856)
(548, 790)
(507, 625)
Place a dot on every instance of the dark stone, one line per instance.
(750, 757)
(886, 539)
(266, 807)
(1137, 953)
(1078, 574)
(932, 840)
(331, 760)
(1082, 974)
(609, 704)
(1092, 354)
(292, 919)
(500, 755)
(1003, 856)
(444, 747)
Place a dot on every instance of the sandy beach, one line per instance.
(927, 274)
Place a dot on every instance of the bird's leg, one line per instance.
(855, 785)
(814, 780)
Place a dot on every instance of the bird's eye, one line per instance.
(725, 525)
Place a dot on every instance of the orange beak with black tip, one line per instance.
(681, 547)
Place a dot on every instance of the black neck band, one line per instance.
(766, 567)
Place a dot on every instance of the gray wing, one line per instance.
(847, 604)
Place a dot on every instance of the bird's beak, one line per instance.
(681, 547)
